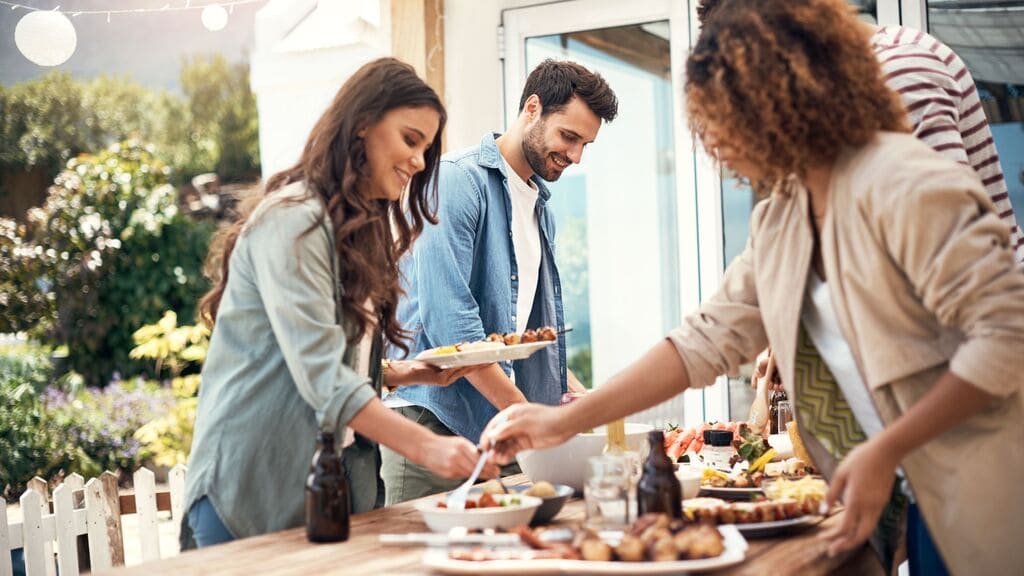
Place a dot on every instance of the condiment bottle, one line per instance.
(659, 490)
(327, 497)
(718, 449)
(774, 398)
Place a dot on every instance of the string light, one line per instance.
(48, 38)
(167, 7)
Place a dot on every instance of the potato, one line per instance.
(542, 489)
(594, 549)
(631, 549)
(491, 487)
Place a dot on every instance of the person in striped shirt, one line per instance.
(942, 103)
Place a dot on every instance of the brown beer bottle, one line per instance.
(327, 498)
(658, 490)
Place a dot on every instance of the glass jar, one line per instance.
(718, 450)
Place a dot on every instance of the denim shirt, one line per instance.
(462, 283)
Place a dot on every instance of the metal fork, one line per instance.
(457, 498)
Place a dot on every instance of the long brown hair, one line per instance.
(370, 235)
(789, 83)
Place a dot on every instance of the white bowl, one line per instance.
(567, 463)
(689, 476)
(443, 519)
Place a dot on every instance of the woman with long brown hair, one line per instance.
(882, 277)
(303, 305)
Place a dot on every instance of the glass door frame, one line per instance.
(519, 24)
(698, 179)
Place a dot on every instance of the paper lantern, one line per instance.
(46, 37)
(215, 17)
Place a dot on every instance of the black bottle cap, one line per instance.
(718, 437)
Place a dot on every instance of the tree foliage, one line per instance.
(112, 252)
(213, 128)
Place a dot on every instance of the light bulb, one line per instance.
(46, 37)
(215, 17)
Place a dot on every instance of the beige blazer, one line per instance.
(923, 280)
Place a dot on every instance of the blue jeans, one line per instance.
(922, 555)
(207, 527)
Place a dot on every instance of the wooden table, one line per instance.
(289, 552)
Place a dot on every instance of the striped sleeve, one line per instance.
(929, 93)
(945, 110)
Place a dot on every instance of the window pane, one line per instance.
(989, 37)
(617, 240)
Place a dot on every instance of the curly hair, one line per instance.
(788, 83)
(705, 8)
(370, 235)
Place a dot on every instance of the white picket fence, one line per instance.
(91, 509)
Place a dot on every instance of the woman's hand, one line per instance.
(453, 457)
(524, 427)
(406, 372)
(863, 481)
(761, 371)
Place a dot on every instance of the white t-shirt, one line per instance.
(819, 318)
(525, 243)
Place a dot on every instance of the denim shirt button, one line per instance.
(513, 277)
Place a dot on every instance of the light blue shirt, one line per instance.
(278, 369)
(462, 283)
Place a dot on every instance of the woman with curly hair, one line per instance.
(880, 274)
(306, 297)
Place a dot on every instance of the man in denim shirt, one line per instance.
(489, 265)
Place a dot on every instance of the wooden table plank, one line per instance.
(288, 552)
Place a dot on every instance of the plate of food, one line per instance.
(496, 348)
(483, 510)
(652, 545)
(755, 519)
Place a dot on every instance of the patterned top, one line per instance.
(944, 108)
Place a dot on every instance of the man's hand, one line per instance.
(407, 372)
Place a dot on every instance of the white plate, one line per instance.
(486, 356)
(731, 493)
(735, 552)
(776, 528)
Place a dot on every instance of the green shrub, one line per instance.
(173, 348)
(23, 303)
(100, 424)
(27, 442)
(113, 253)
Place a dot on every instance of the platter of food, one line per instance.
(778, 527)
(496, 348)
(652, 545)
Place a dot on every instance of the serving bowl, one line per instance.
(551, 505)
(442, 519)
(567, 463)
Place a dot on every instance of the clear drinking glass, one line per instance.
(607, 490)
(784, 414)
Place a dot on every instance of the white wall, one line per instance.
(473, 71)
(305, 50)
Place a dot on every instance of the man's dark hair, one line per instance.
(705, 9)
(555, 82)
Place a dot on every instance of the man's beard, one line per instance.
(536, 153)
